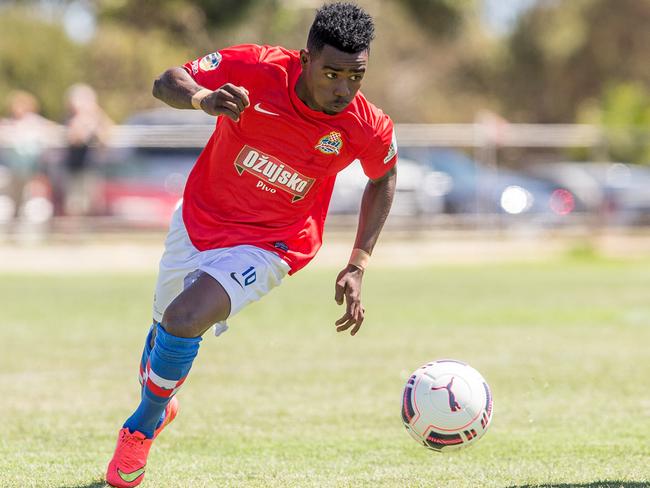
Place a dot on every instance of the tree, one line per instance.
(563, 54)
(440, 18)
(182, 17)
(624, 111)
(36, 56)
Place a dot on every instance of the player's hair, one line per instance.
(344, 26)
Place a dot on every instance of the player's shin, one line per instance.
(146, 351)
(169, 363)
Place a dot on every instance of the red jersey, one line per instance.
(267, 179)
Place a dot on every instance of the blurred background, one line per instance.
(514, 115)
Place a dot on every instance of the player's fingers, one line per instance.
(357, 312)
(241, 103)
(229, 113)
(224, 98)
(227, 99)
(244, 97)
(356, 328)
(238, 93)
(345, 322)
(343, 319)
(345, 326)
(217, 105)
(234, 107)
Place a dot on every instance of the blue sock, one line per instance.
(146, 351)
(169, 363)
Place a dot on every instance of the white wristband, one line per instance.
(198, 96)
(359, 258)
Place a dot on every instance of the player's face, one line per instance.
(332, 78)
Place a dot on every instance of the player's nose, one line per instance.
(342, 90)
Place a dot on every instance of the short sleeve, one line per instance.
(215, 69)
(381, 154)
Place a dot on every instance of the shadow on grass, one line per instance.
(595, 484)
(92, 484)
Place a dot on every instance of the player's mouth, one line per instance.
(338, 105)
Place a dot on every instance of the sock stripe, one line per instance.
(160, 386)
(158, 391)
(160, 381)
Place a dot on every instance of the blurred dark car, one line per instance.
(473, 188)
(617, 192)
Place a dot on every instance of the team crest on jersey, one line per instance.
(210, 62)
(270, 170)
(332, 143)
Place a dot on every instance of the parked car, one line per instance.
(473, 188)
(141, 185)
(618, 192)
(416, 192)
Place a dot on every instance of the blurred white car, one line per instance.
(419, 190)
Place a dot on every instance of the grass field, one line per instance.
(281, 400)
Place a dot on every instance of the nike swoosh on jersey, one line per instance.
(131, 477)
(234, 277)
(258, 108)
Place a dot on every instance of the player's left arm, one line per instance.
(375, 205)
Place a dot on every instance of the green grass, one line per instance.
(282, 400)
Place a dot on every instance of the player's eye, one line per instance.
(356, 77)
(331, 76)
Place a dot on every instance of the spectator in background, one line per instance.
(24, 136)
(87, 126)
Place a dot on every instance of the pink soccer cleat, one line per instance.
(170, 414)
(127, 467)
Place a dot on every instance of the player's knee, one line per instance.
(182, 321)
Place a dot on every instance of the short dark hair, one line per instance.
(344, 26)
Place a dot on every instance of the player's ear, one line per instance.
(304, 58)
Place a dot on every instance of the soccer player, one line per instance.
(255, 203)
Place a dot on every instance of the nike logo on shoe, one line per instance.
(258, 108)
(130, 477)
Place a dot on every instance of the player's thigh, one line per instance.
(228, 280)
(196, 289)
(201, 304)
(247, 273)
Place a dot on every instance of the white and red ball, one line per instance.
(446, 405)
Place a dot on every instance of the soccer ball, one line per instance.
(446, 405)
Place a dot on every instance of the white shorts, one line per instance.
(247, 273)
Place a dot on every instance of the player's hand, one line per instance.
(348, 286)
(229, 100)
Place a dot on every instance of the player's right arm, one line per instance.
(178, 89)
